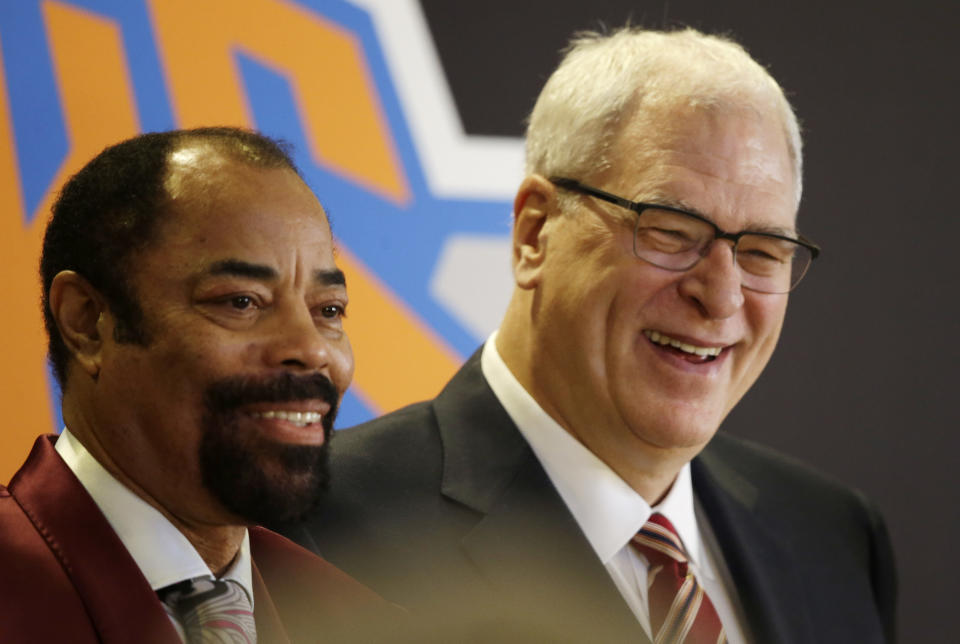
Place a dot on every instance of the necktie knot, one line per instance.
(658, 541)
(210, 610)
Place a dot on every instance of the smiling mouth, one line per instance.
(691, 352)
(298, 418)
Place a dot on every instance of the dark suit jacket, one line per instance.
(443, 507)
(65, 576)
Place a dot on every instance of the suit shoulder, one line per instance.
(34, 579)
(398, 451)
(414, 420)
(408, 433)
(820, 518)
(785, 480)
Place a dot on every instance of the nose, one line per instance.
(295, 341)
(714, 283)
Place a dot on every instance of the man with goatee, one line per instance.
(194, 313)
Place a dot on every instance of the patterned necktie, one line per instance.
(207, 610)
(680, 610)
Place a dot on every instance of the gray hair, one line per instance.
(605, 80)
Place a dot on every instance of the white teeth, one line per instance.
(298, 418)
(665, 340)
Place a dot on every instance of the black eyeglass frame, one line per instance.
(718, 233)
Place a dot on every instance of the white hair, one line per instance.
(604, 81)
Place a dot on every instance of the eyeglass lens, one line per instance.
(676, 241)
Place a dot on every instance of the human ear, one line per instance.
(535, 200)
(78, 309)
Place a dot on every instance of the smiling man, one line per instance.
(569, 483)
(194, 311)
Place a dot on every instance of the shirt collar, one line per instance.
(160, 550)
(608, 510)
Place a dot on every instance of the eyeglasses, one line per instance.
(676, 240)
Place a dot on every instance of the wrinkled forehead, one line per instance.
(664, 113)
(738, 146)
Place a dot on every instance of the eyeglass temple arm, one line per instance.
(576, 186)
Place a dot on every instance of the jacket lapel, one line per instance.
(530, 548)
(527, 546)
(270, 628)
(763, 567)
(121, 605)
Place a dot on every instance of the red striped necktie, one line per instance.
(680, 611)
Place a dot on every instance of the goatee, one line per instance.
(260, 480)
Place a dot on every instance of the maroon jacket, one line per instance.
(66, 577)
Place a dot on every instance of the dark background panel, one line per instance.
(863, 382)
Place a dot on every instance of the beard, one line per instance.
(263, 481)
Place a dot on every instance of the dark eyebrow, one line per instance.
(333, 277)
(240, 268)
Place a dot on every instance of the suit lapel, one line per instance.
(530, 548)
(270, 628)
(482, 449)
(121, 605)
(527, 546)
(763, 567)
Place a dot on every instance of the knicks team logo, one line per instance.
(420, 211)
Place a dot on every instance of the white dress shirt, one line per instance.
(160, 550)
(608, 510)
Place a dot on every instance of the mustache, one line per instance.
(258, 479)
(234, 392)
